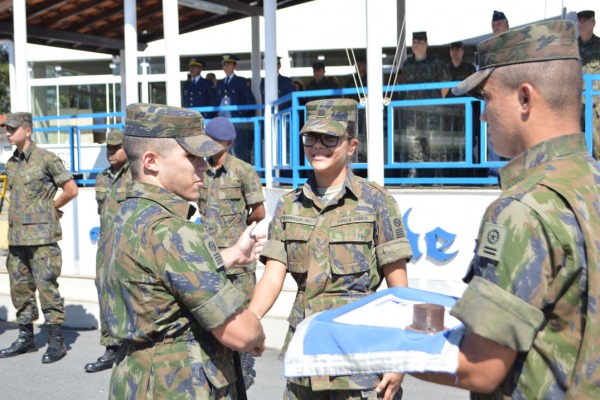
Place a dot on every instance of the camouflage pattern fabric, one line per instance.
(110, 193)
(538, 250)
(165, 290)
(225, 200)
(431, 69)
(463, 71)
(330, 116)
(590, 60)
(34, 260)
(33, 179)
(31, 267)
(335, 252)
(298, 392)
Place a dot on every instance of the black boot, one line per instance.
(105, 361)
(56, 345)
(24, 344)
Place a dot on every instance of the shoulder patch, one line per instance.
(492, 241)
(213, 249)
(397, 226)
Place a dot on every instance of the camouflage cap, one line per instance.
(162, 121)
(15, 120)
(330, 116)
(114, 137)
(544, 41)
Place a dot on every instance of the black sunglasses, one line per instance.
(309, 139)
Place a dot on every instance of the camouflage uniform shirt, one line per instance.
(536, 281)
(110, 193)
(165, 290)
(431, 69)
(335, 252)
(590, 54)
(225, 201)
(33, 179)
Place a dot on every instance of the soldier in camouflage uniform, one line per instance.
(338, 236)
(231, 199)
(530, 310)
(34, 257)
(417, 122)
(110, 193)
(589, 52)
(165, 292)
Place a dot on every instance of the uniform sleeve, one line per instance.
(56, 169)
(391, 241)
(515, 259)
(193, 272)
(274, 248)
(253, 190)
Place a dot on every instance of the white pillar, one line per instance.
(255, 58)
(374, 16)
(270, 63)
(171, 28)
(21, 102)
(129, 74)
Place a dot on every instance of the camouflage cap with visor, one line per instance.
(114, 137)
(162, 121)
(544, 41)
(17, 119)
(331, 117)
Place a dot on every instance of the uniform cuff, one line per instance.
(219, 308)
(255, 198)
(275, 250)
(393, 251)
(495, 314)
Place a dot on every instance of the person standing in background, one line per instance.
(230, 200)
(111, 185)
(34, 259)
(589, 52)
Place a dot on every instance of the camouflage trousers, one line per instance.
(35, 267)
(294, 391)
(245, 283)
(105, 339)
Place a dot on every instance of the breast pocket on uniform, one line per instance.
(230, 197)
(296, 242)
(351, 244)
(100, 194)
(33, 179)
(121, 195)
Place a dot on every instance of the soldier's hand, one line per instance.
(260, 347)
(250, 245)
(389, 385)
(59, 213)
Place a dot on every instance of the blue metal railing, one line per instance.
(290, 167)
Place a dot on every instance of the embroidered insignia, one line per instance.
(492, 241)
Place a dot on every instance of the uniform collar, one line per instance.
(173, 203)
(349, 188)
(27, 152)
(520, 167)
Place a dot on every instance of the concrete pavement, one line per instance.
(24, 377)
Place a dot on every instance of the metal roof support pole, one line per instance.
(374, 110)
(172, 67)
(129, 79)
(270, 64)
(22, 101)
(255, 57)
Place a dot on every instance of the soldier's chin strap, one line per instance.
(387, 97)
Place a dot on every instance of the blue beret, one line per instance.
(220, 128)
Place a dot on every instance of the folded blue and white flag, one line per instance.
(370, 336)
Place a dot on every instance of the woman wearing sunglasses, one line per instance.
(338, 236)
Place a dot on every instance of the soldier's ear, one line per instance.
(149, 161)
